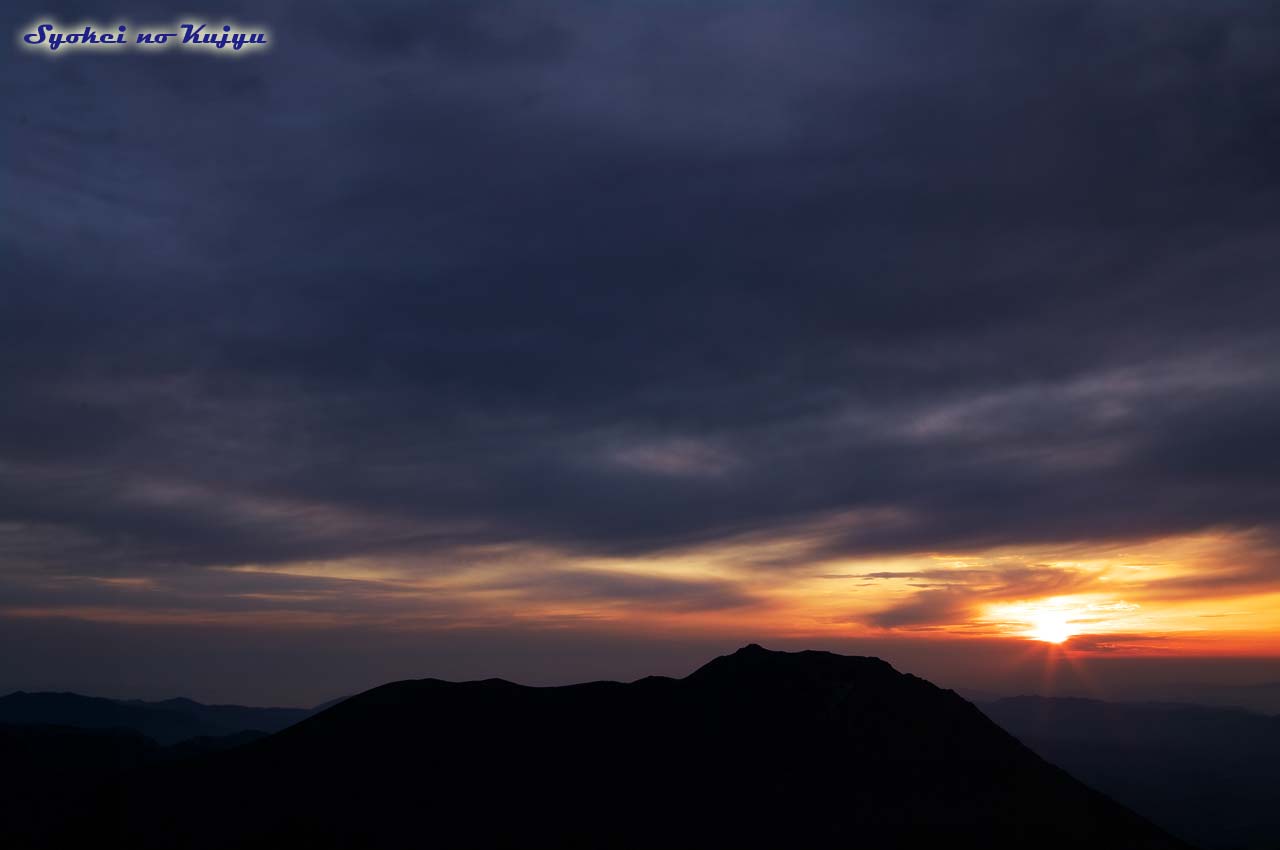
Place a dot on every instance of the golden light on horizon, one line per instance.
(1187, 595)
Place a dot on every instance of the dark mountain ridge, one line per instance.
(755, 749)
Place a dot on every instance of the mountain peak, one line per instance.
(753, 660)
(811, 748)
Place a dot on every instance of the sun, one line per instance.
(1051, 627)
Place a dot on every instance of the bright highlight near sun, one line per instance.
(1051, 627)
(1059, 618)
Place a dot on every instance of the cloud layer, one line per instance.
(593, 283)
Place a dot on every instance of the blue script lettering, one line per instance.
(38, 36)
(191, 33)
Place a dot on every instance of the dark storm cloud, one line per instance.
(620, 278)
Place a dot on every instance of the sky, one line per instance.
(566, 340)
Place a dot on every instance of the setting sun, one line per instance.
(1052, 627)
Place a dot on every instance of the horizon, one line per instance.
(587, 340)
(1042, 670)
(1078, 685)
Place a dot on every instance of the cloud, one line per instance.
(600, 587)
(614, 281)
(956, 596)
(1114, 642)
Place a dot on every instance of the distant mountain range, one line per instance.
(1211, 775)
(1263, 698)
(57, 750)
(166, 722)
(755, 749)
(49, 773)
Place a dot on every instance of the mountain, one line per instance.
(165, 722)
(1207, 774)
(1263, 698)
(52, 771)
(755, 749)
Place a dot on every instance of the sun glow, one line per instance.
(1051, 627)
(1057, 619)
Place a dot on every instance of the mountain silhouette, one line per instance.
(165, 722)
(755, 749)
(50, 772)
(1207, 774)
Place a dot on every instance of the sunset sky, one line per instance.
(563, 340)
